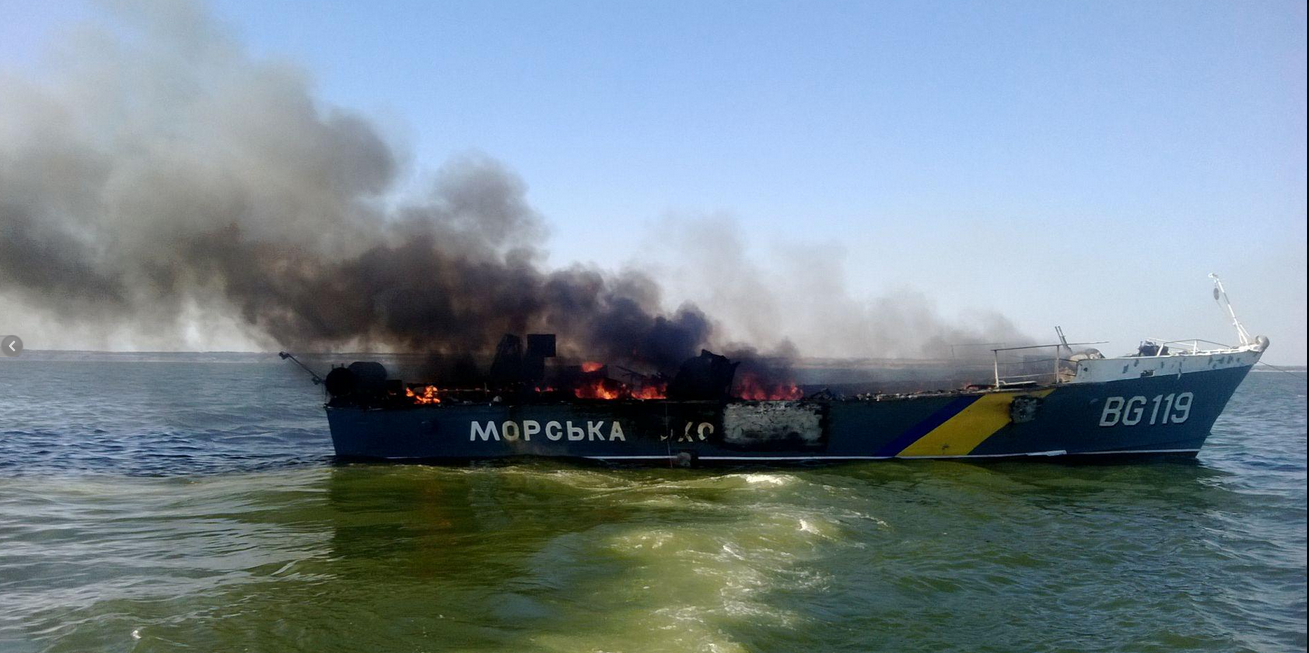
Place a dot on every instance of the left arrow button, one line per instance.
(11, 345)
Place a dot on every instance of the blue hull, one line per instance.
(1160, 415)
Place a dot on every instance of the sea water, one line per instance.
(191, 503)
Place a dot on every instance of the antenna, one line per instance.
(1062, 340)
(293, 359)
(1220, 296)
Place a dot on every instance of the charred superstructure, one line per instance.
(1161, 400)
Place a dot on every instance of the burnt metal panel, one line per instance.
(775, 425)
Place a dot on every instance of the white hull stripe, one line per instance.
(999, 455)
(1093, 453)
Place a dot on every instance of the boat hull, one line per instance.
(1147, 416)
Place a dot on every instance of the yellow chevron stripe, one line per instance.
(972, 426)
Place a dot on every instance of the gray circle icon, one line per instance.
(11, 345)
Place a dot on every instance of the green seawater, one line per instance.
(134, 517)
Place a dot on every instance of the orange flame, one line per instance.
(425, 396)
(592, 366)
(599, 389)
(611, 389)
(751, 388)
(649, 392)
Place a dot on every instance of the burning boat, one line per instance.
(1062, 399)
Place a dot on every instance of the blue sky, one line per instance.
(1083, 164)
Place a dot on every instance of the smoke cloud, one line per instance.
(160, 169)
(158, 177)
(799, 302)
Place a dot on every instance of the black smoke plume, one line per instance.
(157, 181)
(158, 167)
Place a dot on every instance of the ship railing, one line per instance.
(1025, 376)
(1192, 346)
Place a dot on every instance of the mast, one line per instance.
(1220, 296)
